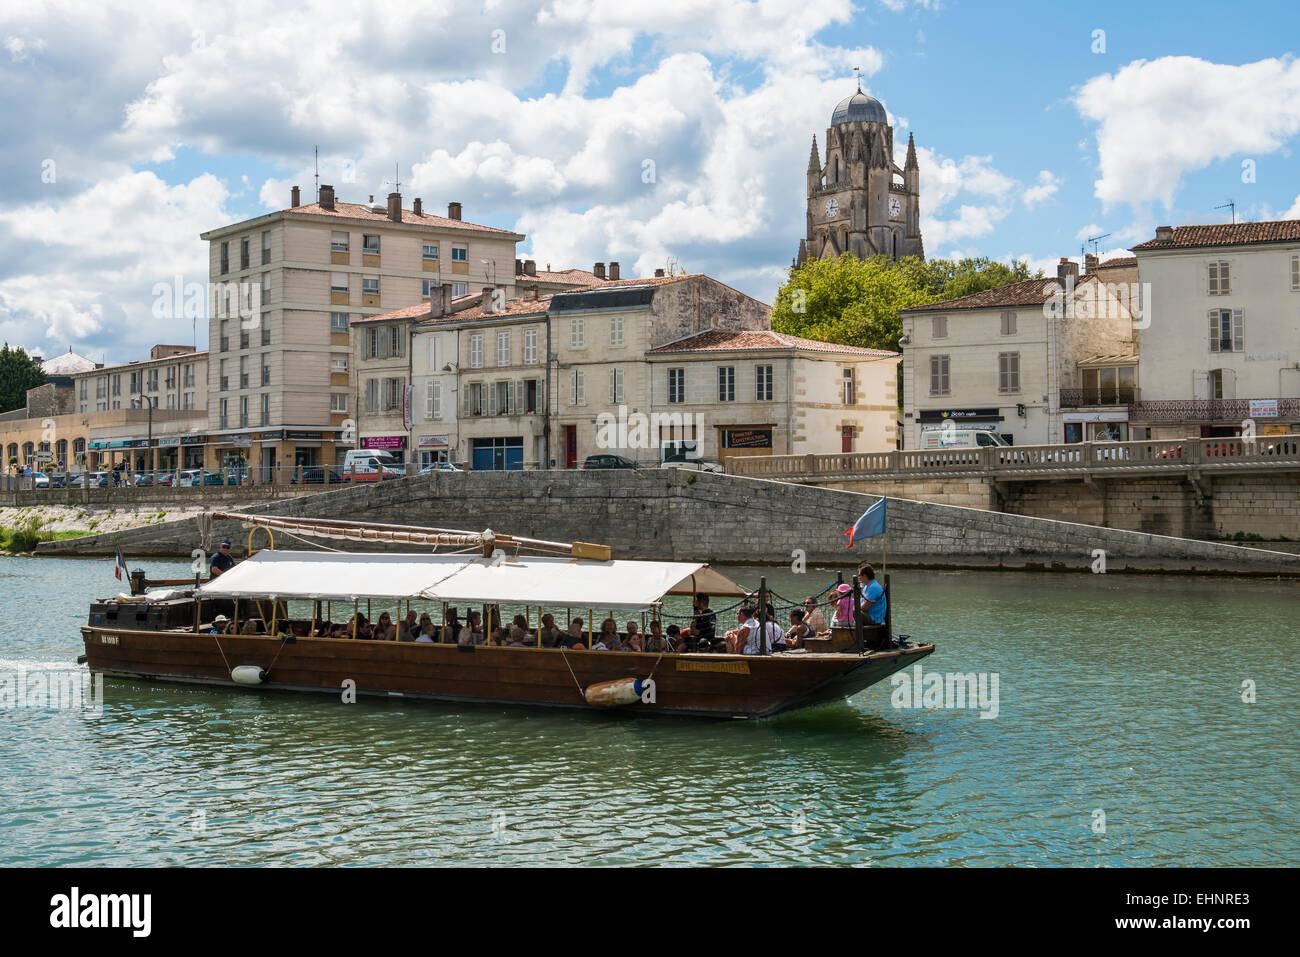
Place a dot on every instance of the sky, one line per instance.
(607, 130)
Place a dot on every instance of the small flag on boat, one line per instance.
(120, 569)
(871, 524)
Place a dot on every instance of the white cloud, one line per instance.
(1046, 188)
(1159, 119)
(1294, 211)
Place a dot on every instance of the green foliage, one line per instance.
(857, 302)
(24, 538)
(18, 373)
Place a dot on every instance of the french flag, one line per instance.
(871, 524)
(120, 568)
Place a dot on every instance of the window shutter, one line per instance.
(582, 388)
(1214, 330)
(1295, 272)
(1238, 331)
(612, 387)
(464, 409)
(492, 399)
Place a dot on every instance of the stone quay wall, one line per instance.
(671, 514)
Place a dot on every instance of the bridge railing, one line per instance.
(1146, 454)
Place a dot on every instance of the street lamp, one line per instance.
(145, 403)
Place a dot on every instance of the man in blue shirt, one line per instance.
(873, 595)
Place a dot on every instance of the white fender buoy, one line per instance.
(611, 694)
(247, 675)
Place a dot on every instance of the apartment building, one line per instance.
(1221, 346)
(1040, 362)
(287, 287)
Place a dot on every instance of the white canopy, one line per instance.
(526, 580)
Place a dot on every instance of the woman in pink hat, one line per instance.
(844, 604)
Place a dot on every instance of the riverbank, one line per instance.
(62, 522)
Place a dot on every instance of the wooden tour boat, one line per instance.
(168, 635)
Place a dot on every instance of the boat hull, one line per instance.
(692, 685)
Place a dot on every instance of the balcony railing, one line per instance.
(1079, 398)
(1228, 411)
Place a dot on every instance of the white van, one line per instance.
(371, 465)
(959, 438)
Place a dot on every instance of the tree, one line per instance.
(18, 373)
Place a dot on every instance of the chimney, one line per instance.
(532, 291)
(519, 267)
(295, 197)
(530, 267)
(1067, 272)
(326, 197)
(440, 301)
(1089, 264)
(599, 270)
(659, 274)
(395, 207)
(1164, 234)
(613, 270)
(485, 300)
(418, 209)
(453, 210)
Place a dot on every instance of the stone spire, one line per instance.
(814, 161)
(911, 154)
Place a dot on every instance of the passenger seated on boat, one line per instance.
(426, 636)
(519, 630)
(873, 595)
(471, 633)
(499, 638)
(324, 631)
(251, 627)
(550, 632)
(219, 625)
(385, 630)
(630, 630)
(573, 637)
(702, 631)
(799, 630)
(746, 631)
(341, 631)
(655, 639)
(633, 642)
(813, 616)
(676, 642)
(775, 635)
(843, 605)
(608, 639)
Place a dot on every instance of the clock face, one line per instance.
(832, 206)
(895, 207)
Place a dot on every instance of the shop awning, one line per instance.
(527, 580)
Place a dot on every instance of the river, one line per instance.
(1121, 738)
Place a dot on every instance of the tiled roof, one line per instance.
(1122, 262)
(572, 276)
(1229, 234)
(513, 307)
(363, 211)
(1030, 292)
(728, 340)
(418, 311)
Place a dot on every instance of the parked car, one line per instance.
(960, 438)
(608, 462)
(166, 478)
(441, 467)
(695, 465)
(40, 480)
(189, 478)
(317, 475)
(143, 480)
(58, 480)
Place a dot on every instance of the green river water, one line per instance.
(1121, 738)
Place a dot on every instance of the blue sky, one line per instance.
(542, 116)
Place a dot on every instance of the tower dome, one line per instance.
(859, 108)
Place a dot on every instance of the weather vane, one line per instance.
(858, 71)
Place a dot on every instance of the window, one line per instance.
(372, 395)
(577, 388)
(676, 385)
(1008, 371)
(369, 245)
(396, 341)
(1216, 378)
(850, 387)
(338, 402)
(938, 375)
(135, 383)
(266, 408)
(503, 348)
(225, 337)
(338, 242)
(1008, 323)
(266, 330)
(530, 347)
(393, 389)
(83, 388)
(939, 327)
(243, 411)
(266, 287)
(1227, 332)
(530, 395)
(266, 374)
(1109, 385)
(1219, 284)
(187, 400)
(187, 377)
(338, 322)
(763, 383)
(616, 386)
(338, 282)
(427, 286)
(1295, 273)
(459, 289)
(243, 253)
(153, 382)
(433, 398)
(577, 332)
(476, 351)
(616, 331)
(225, 258)
(460, 254)
(726, 383)
(370, 285)
(474, 398)
(430, 251)
(225, 380)
(266, 247)
(503, 398)
(224, 419)
(338, 362)
(243, 372)
(243, 339)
